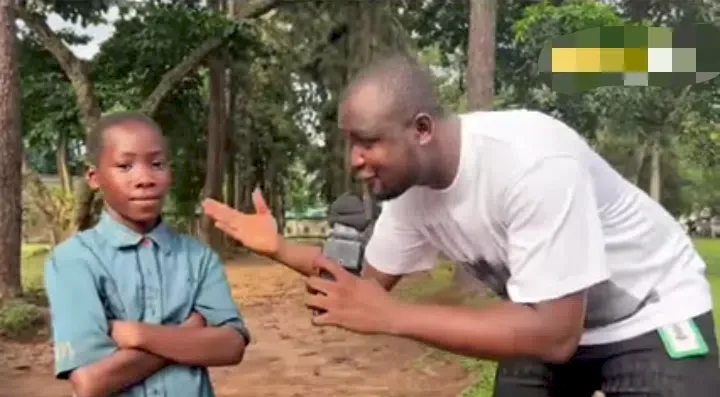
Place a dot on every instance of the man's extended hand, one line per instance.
(257, 231)
(356, 304)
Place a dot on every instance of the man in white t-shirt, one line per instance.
(602, 288)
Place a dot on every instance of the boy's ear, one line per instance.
(91, 176)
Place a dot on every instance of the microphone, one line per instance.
(346, 242)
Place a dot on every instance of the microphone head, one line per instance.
(349, 210)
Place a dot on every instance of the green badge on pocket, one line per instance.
(683, 340)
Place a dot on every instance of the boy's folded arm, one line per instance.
(84, 351)
(224, 339)
(208, 347)
(115, 373)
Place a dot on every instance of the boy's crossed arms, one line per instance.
(102, 357)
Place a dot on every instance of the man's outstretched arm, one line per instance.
(258, 232)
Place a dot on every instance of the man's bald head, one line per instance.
(406, 88)
(390, 113)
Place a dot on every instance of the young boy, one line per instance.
(138, 310)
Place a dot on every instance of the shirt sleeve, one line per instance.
(396, 247)
(80, 329)
(555, 238)
(214, 299)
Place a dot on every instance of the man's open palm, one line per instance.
(257, 232)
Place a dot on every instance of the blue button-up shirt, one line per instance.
(111, 272)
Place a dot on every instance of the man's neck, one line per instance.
(447, 155)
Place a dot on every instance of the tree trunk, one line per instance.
(481, 55)
(230, 147)
(10, 157)
(656, 172)
(62, 162)
(480, 86)
(216, 139)
(640, 155)
(217, 119)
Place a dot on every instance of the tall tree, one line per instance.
(217, 123)
(10, 157)
(481, 54)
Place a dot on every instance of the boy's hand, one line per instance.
(126, 334)
(195, 320)
(257, 231)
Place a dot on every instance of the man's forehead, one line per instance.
(365, 103)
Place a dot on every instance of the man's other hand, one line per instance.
(354, 303)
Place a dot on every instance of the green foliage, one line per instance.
(83, 12)
(546, 21)
(152, 42)
(19, 319)
(50, 108)
(485, 373)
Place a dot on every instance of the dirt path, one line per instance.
(288, 358)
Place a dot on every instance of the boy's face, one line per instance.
(133, 173)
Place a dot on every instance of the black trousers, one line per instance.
(638, 367)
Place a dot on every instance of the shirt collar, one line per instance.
(121, 236)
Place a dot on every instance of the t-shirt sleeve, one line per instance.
(396, 247)
(555, 241)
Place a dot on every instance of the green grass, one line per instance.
(33, 266)
(23, 317)
(710, 251)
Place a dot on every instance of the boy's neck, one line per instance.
(138, 227)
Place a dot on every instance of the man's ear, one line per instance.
(91, 176)
(424, 128)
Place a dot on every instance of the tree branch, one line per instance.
(174, 75)
(258, 8)
(253, 9)
(74, 67)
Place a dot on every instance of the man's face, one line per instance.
(384, 152)
(132, 172)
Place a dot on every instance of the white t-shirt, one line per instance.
(536, 214)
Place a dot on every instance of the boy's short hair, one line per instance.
(96, 137)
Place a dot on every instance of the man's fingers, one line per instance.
(225, 227)
(217, 210)
(322, 319)
(261, 206)
(324, 263)
(320, 302)
(320, 285)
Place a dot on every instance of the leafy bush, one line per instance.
(19, 319)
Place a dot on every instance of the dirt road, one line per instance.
(288, 357)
